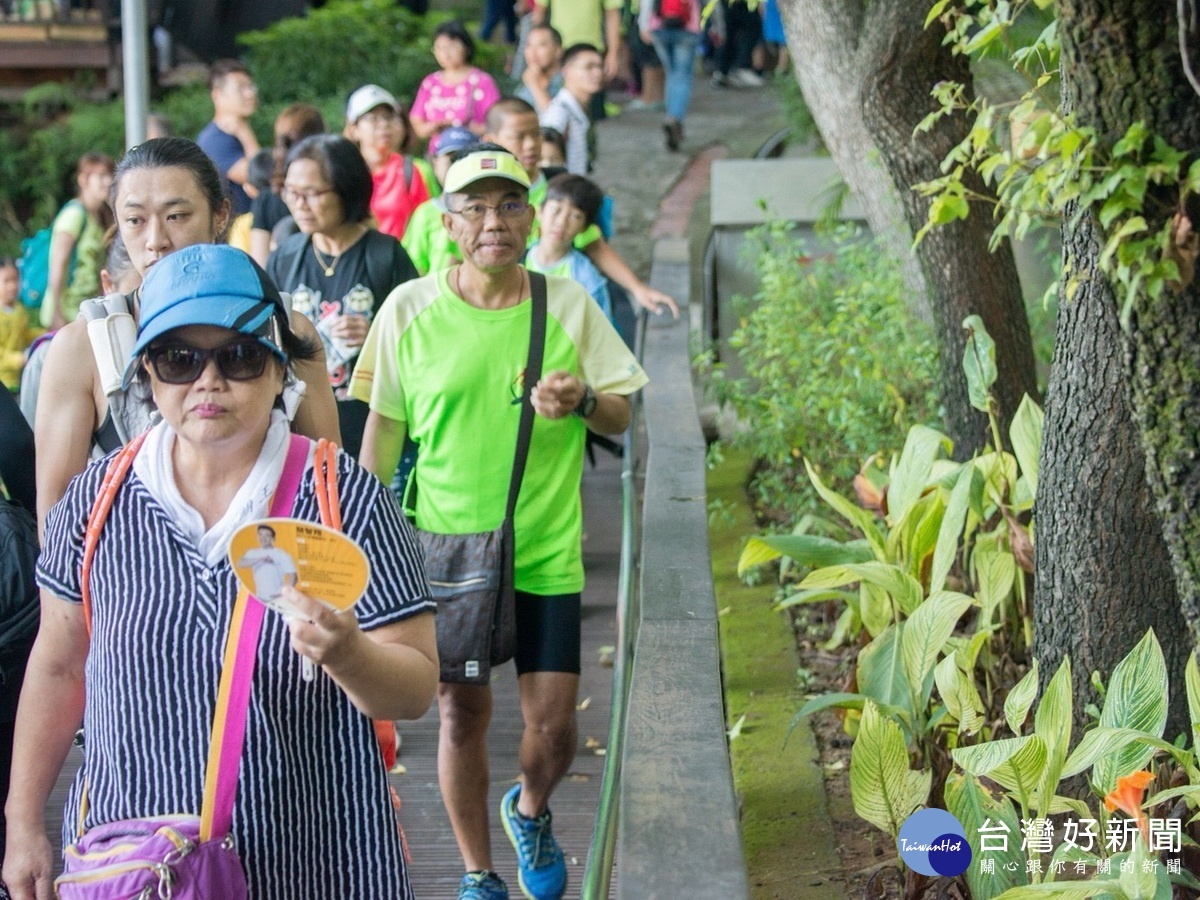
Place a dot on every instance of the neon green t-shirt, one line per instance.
(431, 182)
(581, 21)
(453, 374)
(84, 280)
(426, 239)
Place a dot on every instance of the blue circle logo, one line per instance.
(933, 843)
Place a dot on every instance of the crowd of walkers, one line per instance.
(218, 318)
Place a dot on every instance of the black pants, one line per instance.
(743, 30)
(496, 12)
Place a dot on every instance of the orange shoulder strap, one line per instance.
(114, 477)
(326, 485)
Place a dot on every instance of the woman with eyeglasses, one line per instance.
(292, 125)
(338, 268)
(311, 805)
(166, 195)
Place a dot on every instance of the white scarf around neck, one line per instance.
(154, 466)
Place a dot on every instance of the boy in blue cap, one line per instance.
(427, 242)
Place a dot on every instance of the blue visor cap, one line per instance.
(207, 284)
(455, 138)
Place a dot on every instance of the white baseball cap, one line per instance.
(365, 99)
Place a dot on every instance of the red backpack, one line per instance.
(674, 12)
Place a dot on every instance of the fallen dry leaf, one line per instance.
(869, 496)
(1019, 543)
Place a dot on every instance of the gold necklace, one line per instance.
(328, 267)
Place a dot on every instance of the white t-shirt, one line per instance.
(270, 565)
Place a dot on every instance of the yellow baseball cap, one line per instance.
(484, 164)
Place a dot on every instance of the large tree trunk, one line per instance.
(1121, 406)
(963, 275)
(1103, 574)
(824, 42)
(1136, 74)
(867, 80)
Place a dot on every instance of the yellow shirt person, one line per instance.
(16, 334)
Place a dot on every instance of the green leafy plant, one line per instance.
(931, 577)
(934, 526)
(1009, 784)
(818, 344)
(39, 155)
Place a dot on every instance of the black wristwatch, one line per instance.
(587, 403)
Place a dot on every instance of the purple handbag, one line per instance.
(151, 858)
(182, 857)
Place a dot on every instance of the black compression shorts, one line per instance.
(548, 633)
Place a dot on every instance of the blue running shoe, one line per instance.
(542, 871)
(482, 886)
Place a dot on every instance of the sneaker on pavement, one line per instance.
(673, 133)
(482, 886)
(719, 80)
(745, 78)
(542, 871)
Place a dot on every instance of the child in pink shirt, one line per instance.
(458, 94)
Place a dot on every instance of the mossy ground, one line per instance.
(786, 831)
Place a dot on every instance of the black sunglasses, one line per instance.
(181, 364)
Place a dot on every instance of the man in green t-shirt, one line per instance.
(444, 364)
(595, 22)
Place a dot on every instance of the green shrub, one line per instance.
(345, 44)
(189, 108)
(795, 109)
(38, 156)
(835, 367)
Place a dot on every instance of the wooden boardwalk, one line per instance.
(437, 866)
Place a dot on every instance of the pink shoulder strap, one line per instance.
(237, 670)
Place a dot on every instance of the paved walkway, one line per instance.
(640, 174)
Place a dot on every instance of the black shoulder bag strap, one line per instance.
(504, 617)
(293, 270)
(379, 255)
(533, 373)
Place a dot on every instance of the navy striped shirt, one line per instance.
(313, 816)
